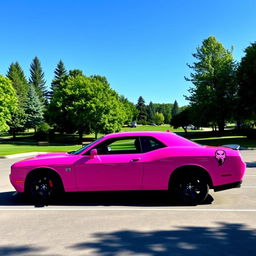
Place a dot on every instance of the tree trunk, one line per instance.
(221, 125)
(80, 132)
(13, 134)
(185, 129)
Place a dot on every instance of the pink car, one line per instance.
(132, 161)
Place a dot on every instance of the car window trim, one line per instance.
(116, 139)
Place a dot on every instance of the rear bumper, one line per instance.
(228, 186)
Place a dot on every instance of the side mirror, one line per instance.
(93, 153)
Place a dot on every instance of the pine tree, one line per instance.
(175, 108)
(150, 112)
(37, 79)
(142, 111)
(60, 72)
(19, 82)
(33, 108)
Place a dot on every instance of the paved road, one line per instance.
(130, 223)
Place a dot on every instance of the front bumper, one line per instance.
(228, 186)
(17, 183)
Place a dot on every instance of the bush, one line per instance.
(42, 131)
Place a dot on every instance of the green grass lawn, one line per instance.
(27, 143)
(151, 128)
(9, 149)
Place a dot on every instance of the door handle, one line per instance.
(135, 160)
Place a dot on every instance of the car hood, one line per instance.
(48, 159)
(52, 155)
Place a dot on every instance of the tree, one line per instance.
(129, 110)
(37, 79)
(17, 121)
(165, 109)
(150, 112)
(60, 73)
(159, 118)
(182, 119)
(246, 75)
(215, 88)
(75, 72)
(8, 102)
(142, 111)
(86, 104)
(33, 109)
(19, 82)
(175, 108)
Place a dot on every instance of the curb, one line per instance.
(22, 155)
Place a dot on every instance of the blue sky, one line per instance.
(141, 46)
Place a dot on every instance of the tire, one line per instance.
(190, 188)
(42, 188)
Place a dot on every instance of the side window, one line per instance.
(150, 144)
(119, 146)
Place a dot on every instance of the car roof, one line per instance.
(168, 138)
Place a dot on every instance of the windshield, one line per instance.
(77, 152)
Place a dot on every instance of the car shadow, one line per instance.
(106, 198)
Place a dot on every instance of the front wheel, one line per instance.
(190, 189)
(42, 187)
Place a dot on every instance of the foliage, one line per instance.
(60, 72)
(8, 102)
(175, 108)
(33, 109)
(150, 112)
(165, 109)
(182, 119)
(247, 84)
(37, 79)
(159, 118)
(86, 104)
(17, 121)
(75, 72)
(19, 82)
(129, 110)
(214, 92)
(42, 131)
(142, 111)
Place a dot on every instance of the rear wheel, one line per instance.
(190, 188)
(42, 188)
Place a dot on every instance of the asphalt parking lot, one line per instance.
(130, 223)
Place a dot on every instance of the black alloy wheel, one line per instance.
(42, 188)
(191, 188)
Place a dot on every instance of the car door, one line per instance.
(116, 166)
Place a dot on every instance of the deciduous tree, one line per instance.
(246, 75)
(8, 102)
(159, 118)
(86, 104)
(214, 82)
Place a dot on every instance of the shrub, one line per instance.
(42, 131)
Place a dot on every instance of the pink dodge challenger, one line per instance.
(132, 161)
